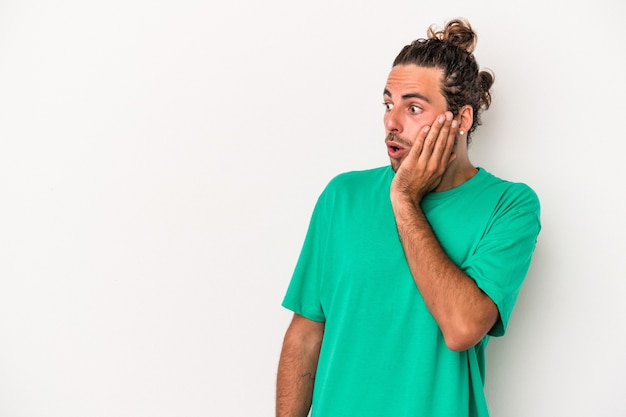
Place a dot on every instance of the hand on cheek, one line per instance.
(426, 163)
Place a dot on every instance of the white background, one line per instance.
(159, 161)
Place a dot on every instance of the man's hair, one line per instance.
(451, 50)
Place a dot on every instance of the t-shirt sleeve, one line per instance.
(502, 259)
(303, 293)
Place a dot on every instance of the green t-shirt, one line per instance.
(383, 354)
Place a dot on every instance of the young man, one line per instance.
(407, 270)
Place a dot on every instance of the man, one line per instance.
(407, 270)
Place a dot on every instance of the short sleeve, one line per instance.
(303, 293)
(502, 258)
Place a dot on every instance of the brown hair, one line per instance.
(451, 50)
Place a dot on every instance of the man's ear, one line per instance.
(466, 118)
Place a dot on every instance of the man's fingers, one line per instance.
(433, 145)
(439, 142)
(431, 140)
(418, 146)
(447, 142)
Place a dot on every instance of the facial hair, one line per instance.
(394, 137)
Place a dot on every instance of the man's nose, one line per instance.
(393, 122)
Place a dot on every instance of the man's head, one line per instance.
(432, 76)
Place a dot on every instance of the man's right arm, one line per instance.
(297, 367)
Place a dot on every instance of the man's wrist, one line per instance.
(402, 200)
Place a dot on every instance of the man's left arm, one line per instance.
(463, 311)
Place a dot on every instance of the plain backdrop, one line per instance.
(159, 162)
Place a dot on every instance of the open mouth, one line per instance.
(394, 151)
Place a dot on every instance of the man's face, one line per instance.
(412, 99)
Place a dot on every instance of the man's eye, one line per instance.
(388, 106)
(415, 109)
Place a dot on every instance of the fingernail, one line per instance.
(448, 115)
(454, 123)
(441, 119)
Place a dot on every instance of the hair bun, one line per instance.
(457, 32)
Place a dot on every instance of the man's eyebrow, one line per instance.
(409, 95)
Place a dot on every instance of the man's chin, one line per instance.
(395, 164)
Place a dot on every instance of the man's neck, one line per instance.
(457, 173)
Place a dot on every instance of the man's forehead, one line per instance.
(411, 81)
(409, 95)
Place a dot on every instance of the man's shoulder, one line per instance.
(358, 178)
(510, 191)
